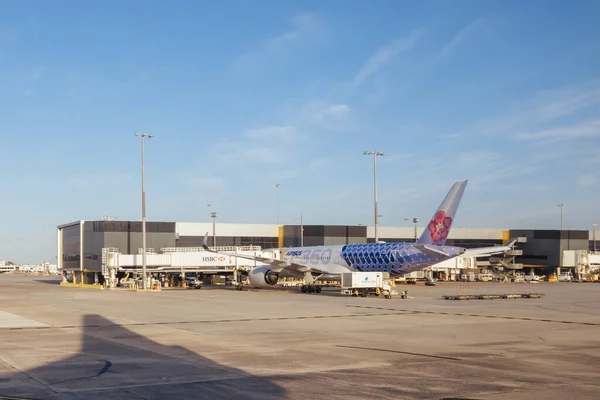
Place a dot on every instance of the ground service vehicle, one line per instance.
(193, 282)
(364, 284)
(429, 282)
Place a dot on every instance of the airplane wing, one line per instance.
(278, 265)
(429, 250)
(487, 251)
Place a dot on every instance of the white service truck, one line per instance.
(366, 283)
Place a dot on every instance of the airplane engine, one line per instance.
(262, 277)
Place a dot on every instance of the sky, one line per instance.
(243, 95)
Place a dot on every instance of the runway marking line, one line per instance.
(391, 311)
(399, 352)
(394, 312)
(480, 315)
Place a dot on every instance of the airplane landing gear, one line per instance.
(311, 288)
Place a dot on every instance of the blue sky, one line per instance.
(243, 95)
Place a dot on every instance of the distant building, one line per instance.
(6, 266)
(545, 248)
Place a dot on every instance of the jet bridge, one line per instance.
(180, 260)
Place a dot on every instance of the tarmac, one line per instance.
(217, 343)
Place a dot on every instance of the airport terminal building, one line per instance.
(80, 243)
(176, 246)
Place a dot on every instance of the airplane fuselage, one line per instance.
(395, 258)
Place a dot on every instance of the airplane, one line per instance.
(315, 263)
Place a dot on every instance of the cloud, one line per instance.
(303, 26)
(587, 129)
(553, 104)
(589, 179)
(336, 110)
(460, 36)
(284, 133)
(387, 53)
(263, 145)
(323, 115)
(484, 167)
(266, 145)
(306, 28)
(258, 148)
(503, 174)
(317, 111)
(543, 107)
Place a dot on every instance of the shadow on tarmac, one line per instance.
(50, 281)
(117, 363)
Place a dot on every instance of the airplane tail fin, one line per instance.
(438, 228)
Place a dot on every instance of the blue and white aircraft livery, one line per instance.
(329, 262)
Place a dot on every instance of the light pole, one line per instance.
(276, 186)
(375, 154)
(415, 221)
(301, 230)
(143, 135)
(44, 265)
(213, 215)
(561, 215)
(594, 236)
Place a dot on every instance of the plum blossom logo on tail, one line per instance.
(439, 226)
